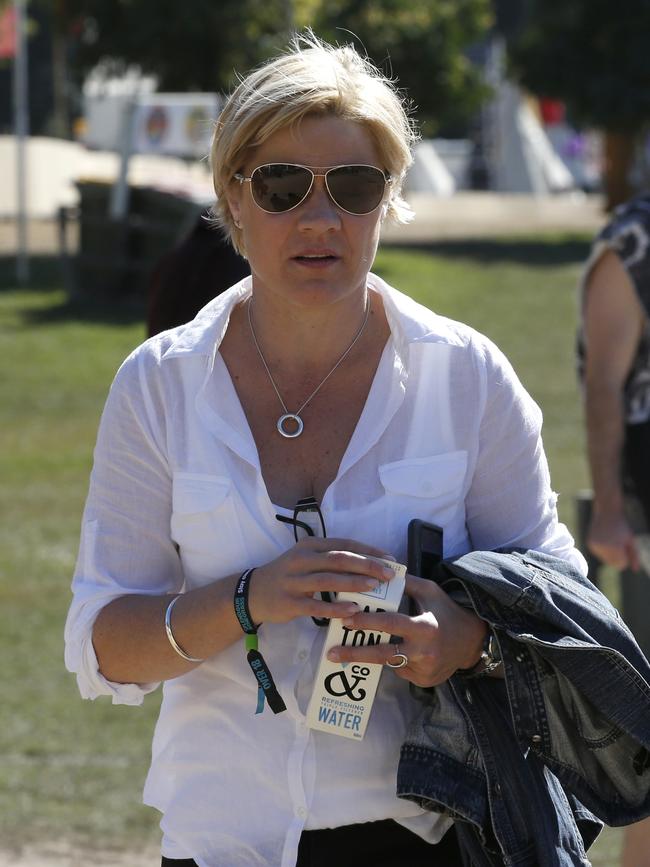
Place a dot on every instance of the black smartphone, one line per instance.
(424, 548)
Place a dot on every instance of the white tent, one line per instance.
(523, 158)
(428, 174)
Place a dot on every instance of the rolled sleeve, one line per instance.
(126, 547)
(80, 657)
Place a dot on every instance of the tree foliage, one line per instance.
(423, 43)
(198, 45)
(591, 55)
(201, 45)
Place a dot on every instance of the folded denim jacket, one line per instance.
(532, 765)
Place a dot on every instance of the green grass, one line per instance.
(68, 766)
(73, 768)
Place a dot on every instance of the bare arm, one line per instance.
(613, 324)
(131, 643)
(129, 635)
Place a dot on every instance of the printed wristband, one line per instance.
(266, 688)
(241, 603)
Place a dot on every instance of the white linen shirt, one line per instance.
(177, 499)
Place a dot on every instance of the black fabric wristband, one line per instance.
(241, 603)
(266, 688)
(265, 683)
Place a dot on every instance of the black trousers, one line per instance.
(385, 843)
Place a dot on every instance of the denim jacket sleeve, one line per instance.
(577, 682)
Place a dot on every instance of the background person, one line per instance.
(614, 364)
(310, 379)
(201, 266)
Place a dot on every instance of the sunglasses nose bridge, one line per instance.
(318, 182)
(318, 199)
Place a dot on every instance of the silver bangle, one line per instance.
(170, 635)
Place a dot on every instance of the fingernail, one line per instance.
(347, 621)
(372, 583)
(333, 655)
(388, 573)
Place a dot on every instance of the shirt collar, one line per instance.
(203, 335)
(409, 322)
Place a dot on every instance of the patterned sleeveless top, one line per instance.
(628, 235)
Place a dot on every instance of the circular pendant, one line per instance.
(290, 416)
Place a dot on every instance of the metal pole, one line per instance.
(118, 205)
(21, 126)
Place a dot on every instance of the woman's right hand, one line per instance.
(129, 636)
(285, 588)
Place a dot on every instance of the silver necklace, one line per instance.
(295, 416)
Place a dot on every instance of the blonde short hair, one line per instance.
(311, 78)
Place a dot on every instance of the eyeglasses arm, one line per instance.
(295, 523)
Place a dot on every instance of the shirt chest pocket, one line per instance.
(206, 526)
(429, 488)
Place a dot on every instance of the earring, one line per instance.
(238, 225)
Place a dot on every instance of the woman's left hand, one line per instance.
(437, 642)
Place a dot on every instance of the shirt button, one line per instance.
(301, 812)
(468, 696)
(519, 657)
(302, 655)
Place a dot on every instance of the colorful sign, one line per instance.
(172, 124)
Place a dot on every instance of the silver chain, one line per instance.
(318, 387)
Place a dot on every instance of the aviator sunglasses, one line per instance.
(280, 187)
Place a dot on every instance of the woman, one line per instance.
(613, 360)
(311, 380)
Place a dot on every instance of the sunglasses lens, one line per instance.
(356, 189)
(278, 187)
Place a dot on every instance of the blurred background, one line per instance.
(106, 108)
(534, 121)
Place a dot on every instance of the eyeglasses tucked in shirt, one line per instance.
(308, 521)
